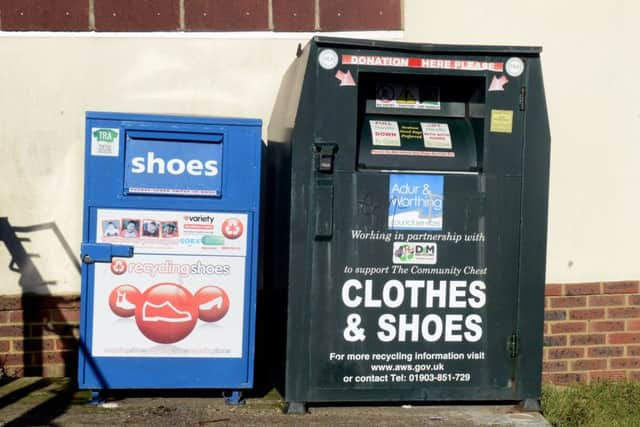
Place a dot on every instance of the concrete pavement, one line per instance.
(38, 401)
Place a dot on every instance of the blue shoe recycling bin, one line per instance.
(170, 246)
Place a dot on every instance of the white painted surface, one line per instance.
(48, 81)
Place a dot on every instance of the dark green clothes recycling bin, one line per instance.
(408, 187)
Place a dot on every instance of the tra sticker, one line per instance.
(415, 253)
(105, 142)
(384, 132)
(416, 202)
(501, 121)
(436, 135)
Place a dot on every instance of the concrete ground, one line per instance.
(38, 401)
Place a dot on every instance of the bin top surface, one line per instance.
(174, 118)
(428, 47)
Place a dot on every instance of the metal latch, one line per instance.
(103, 252)
(324, 156)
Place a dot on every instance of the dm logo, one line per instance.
(105, 135)
(415, 253)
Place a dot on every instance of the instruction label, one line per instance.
(393, 95)
(436, 135)
(385, 132)
(501, 121)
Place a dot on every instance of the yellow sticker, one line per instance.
(502, 121)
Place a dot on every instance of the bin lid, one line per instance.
(429, 47)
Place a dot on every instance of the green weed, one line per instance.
(602, 403)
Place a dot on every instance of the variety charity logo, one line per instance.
(167, 312)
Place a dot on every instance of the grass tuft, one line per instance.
(601, 403)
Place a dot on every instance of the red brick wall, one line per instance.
(200, 15)
(39, 335)
(592, 331)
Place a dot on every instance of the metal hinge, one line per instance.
(512, 346)
(523, 98)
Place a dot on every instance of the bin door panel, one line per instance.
(405, 303)
(176, 309)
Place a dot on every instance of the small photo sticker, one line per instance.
(111, 228)
(150, 228)
(169, 229)
(130, 228)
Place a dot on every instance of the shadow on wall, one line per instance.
(40, 330)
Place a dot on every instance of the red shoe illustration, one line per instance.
(216, 302)
(164, 312)
(213, 303)
(122, 302)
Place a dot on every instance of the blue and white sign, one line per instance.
(173, 167)
(416, 202)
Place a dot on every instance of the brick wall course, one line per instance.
(224, 15)
(38, 335)
(200, 15)
(340, 15)
(44, 15)
(600, 340)
(294, 15)
(139, 15)
(600, 324)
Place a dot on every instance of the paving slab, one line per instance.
(37, 401)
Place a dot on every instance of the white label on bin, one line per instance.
(407, 96)
(514, 67)
(436, 135)
(328, 59)
(384, 132)
(105, 142)
(180, 295)
(415, 253)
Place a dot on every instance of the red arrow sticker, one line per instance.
(346, 79)
(497, 84)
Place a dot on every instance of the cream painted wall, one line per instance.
(48, 84)
(589, 63)
(591, 68)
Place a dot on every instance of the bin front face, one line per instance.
(407, 191)
(183, 193)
